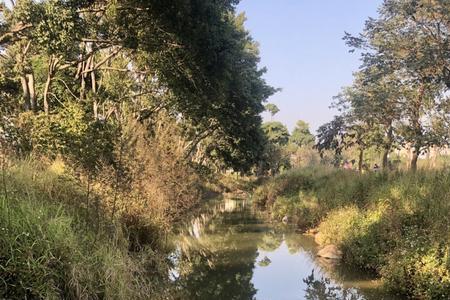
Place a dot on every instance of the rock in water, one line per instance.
(330, 252)
(318, 238)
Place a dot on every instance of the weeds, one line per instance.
(394, 224)
(51, 249)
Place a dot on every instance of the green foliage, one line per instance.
(216, 83)
(51, 249)
(58, 27)
(419, 269)
(398, 97)
(276, 133)
(12, 137)
(394, 224)
(70, 133)
(301, 136)
(275, 156)
(286, 184)
(364, 237)
(303, 213)
(301, 157)
(331, 136)
(201, 66)
(272, 109)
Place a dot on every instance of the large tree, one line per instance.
(192, 58)
(332, 136)
(407, 41)
(276, 156)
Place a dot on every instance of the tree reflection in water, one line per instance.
(225, 269)
(323, 289)
(207, 280)
(271, 241)
(230, 252)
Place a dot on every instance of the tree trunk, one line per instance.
(417, 127)
(414, 159)
(385, 159)
(94, 89)
(20, 61)
(53, 63)
(82, 86)
(46, 90)
(95, 108)
(26, 92)
(434, 153)
(32, 92)
(361, 159)
(387, 148)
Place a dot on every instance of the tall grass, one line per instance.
(55, 246)
(394, 224)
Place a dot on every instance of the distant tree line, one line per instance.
(284, 150)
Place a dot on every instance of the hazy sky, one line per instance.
(301, 45)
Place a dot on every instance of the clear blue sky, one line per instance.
(301, 45)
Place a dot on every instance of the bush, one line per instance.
(394, 224)
(71, 133)
(304, 213)
(155, 185)
(419, 267)
(286, 184)
(365, 237)
(340, 225)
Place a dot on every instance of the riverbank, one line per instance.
(59, 240)
(66, 235)
(396, 225)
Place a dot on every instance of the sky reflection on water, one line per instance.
(228, 251)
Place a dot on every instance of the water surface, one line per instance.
(229, 251)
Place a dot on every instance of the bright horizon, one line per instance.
(301, 45)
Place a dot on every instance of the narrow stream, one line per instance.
(229, 251)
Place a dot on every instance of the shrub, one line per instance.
(394, 224)
(420, 270)
(340, 225)
(305, 213)
(156, 184)
(286, 184)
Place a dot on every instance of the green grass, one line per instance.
(54, 246)
(394, 224)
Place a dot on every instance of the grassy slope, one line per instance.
(52, 246)
(395, 224)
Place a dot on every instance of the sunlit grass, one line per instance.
(394, 224)
(53, 247)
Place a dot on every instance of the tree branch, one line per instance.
(18, 28)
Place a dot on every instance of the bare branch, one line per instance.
(67, 87)
(103, 61)
(124, 70)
